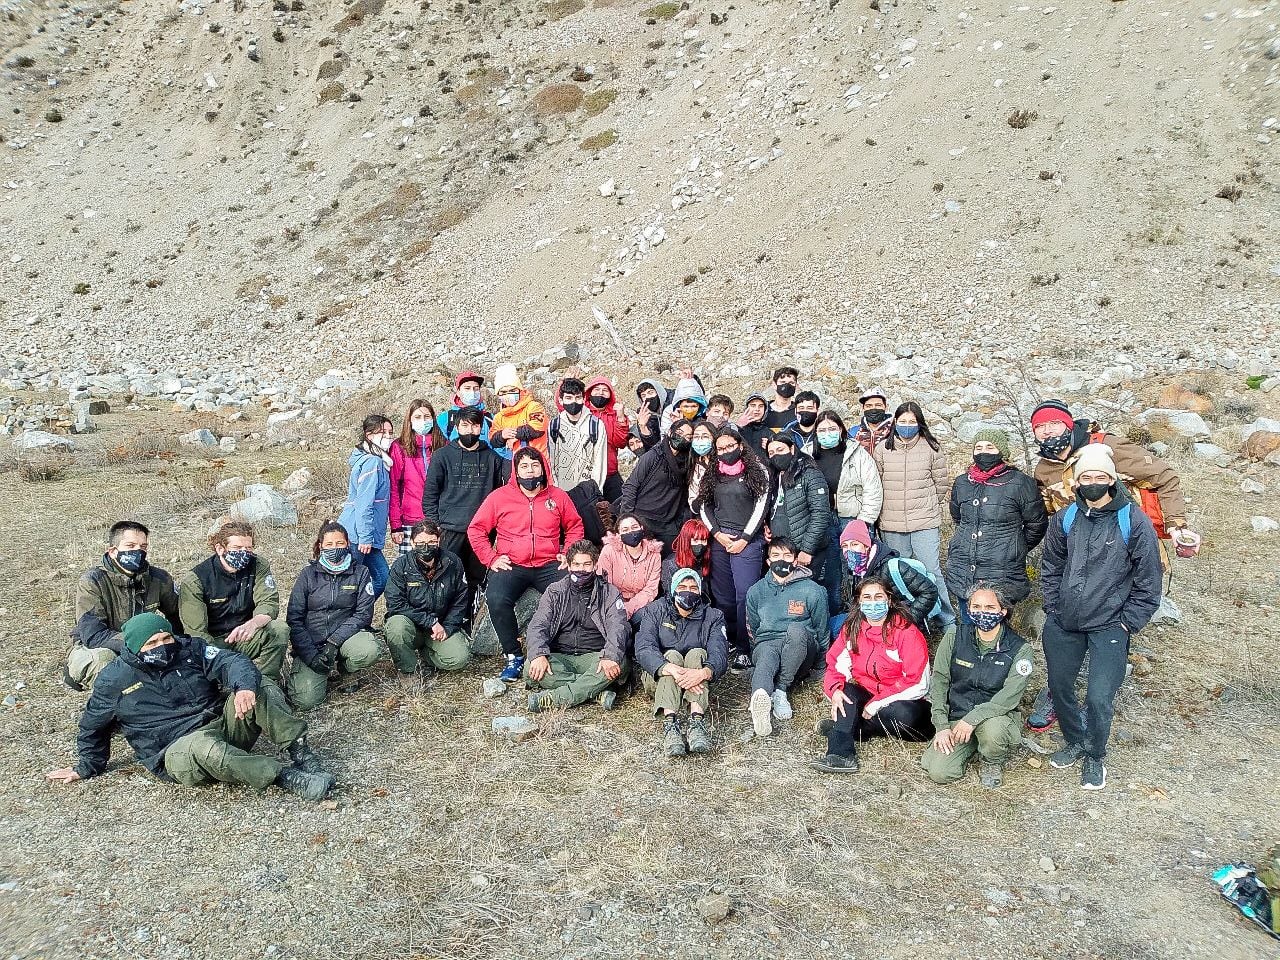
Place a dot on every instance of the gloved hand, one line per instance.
(325, 659)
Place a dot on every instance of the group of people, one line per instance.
(785, 542)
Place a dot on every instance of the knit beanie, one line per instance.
(506, 377)
(1095, 457)
(139, 629)
(1052, 410)
(994, 436)
(683, 574)
(856, 530)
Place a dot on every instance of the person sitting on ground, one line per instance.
(518, 534)
(231, 600)
(782, 409)
(681, 649)
(521, 421)
(689, 552)
(1101, 576)
(633, 563)
(577, 443)
(192, 712)
(877, 678)
(719, 410)
(801, 511)
(602, 404)
(688, 402)
(752, 428)
(653, 397)
(854, 485)
(999, 519)
(462, 474)
(579, 639)
(787, 620)
(330, 616)
(865, 556)
(876, 424)
(802, 427)
(410, 460)
(979, 675)
(123, 585)
(658, 489)
(367, 510)
(467, 395)
(427, 606)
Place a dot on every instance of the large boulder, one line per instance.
(43, 440)
(200, 438)
(484, 640)
(1260, 445)
(266, 506)
(1182, 422)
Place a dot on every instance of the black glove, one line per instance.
(324, 659)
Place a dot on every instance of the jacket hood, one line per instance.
(525, 399)
(357, 455)
(690, 389)
(514, 481)
(664, 395)
(600, 382)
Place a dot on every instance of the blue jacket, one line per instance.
(447, 421)
(368, 508)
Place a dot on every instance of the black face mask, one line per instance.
(985, 461)
(632, 538)
(131, 561)
(875, 416)
(807, 418)
(653, 404)
(572, 407)
(680, 443)
(782, 568)
(687, 600)
(1093, 492)
(781, 462)
(530, 483)
(427, 554)
(582, 581)
(468, 440)
(729, 458)
(1055, 447)
(598, 402)
(165, 655)
(697, 549)
(785, 390)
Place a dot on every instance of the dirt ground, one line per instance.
(585, 840)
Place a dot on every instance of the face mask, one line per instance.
(679, 443)
(530, 483)
(782, 568)
(906, 432)
(422, 429)
(508, 399)
(807, 418)
(162, 656)
(875, 416)
(701, 446)
(986, 621)
(730, 457)
(653, 404)
(697, 549)
(469, 398)
(781, 462)
(1055, 447)
(598, 402)
(829, 441)
(131, 561)
(632, 538)
(426, 553)
(238, 559)
(874, 609)
(335, 559)
(687, 600)
(581, 580)
(1093, 492)
(856, 561)
(690, 413)
(468, 440)
(572, 407)
(985, 461)
(785, 390)
(382, 441)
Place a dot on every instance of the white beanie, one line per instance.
(1095, 458)
(506, 375)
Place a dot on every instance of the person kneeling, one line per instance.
(161, 692)
(877, 677)
(427, 605)
(682, 646)
(979, 675)
(578, 637)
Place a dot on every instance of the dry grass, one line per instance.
(45, 467)
(1021, 119)
(598, 101)
(661, 11)
(559, 9)
(558, 98)
(599, 141)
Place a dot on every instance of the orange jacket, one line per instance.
(529, 419)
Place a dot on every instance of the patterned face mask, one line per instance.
(985, 620)
(238, 559)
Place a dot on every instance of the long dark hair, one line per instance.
(329, 526)
(913, 408)
(830, 416)
(853, 626)
(755, 473)
(408, 440)
(372, 422)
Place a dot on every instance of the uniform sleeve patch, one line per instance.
(270, 581)
(136, 686)
(1024, 668)
(368, 588)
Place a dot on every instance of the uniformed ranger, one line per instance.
(192, 712)
(231, 601)
(427, 605)
(979, 675)
(122, 585)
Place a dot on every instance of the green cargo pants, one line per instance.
(667, 695)
(308, 689)
(406, 642)
(574, 678)
(993, 740)
(220, 750)
(266, 648)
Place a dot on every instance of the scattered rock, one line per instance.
(1047, 865)
(265, 505)
(1249, 485)
(1262, 525)
(493, 687)
(229, 487)
(297, 481)
(1183, 422)
(715, 907)
(227, 444)
(82, 419)
(1260, 444)
(284, 416)
(42, 440)
(1211, 452)
(515, 729)
(200, 438)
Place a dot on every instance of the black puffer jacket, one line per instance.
(997, 524)
(658, 489)
(441, 599)
(153, 706)
(802, 511)
(924, 593)
(662, 629)
(328, 607)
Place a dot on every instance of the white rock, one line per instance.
(227, 444)
(608, 187)
(1168, 612)
(1261, 424)
(284, 416)
(493, 687)
(297, 481)
(265, 506)
(1264, 525)
(42, 440)
(1211, 452)
(1183, 422)
(229, 486)
(1249, 485)
(200, 438)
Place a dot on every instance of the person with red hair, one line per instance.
(689, 552)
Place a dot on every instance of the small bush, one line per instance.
(1230, 192)
(598, 102)
(558, 98)
(605, 138)
(662, 11)
(559, 9)
(1021, 119)
(45, 468)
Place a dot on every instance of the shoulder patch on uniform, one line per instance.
(368, 588)
(210, 652)
(270, 581)
(1024, 668)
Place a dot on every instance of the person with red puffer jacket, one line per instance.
(530, 521)
(877, 678)
(602, 403)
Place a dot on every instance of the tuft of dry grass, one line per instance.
(558, 98)
(45, 467)
(598, 101)
(661, 11)
(559, 9)
(599, 141)
(1021, 119)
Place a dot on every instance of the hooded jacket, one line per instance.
(368, 507)
(890, 668)
(860, 493)
(154, 706)
(658, 489)
(427, 600)
(328, 608)
(687, 389)
(447, 420)
(773, 607)
(997, 524)
(546, 634)
(614, 421)
(663, 629)
(802, 510)
(650, 440)
(106, 597)
(756, 435)
(916, 482)
(212, 601)
(457, 483)
(529, 420)
(408, 477)
(531, 531)
(637, 580)
(924, 592)
(1091, 578)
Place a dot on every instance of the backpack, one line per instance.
(1146, 497)
(894, 567)
(593, 430)
(1123, 517)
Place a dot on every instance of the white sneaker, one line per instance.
(781, 707)
(761, 706)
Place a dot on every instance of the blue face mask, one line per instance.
(701, 446)
(422, 429)
(874, 609)
(986, 621)
(828, 441)
(905, 432)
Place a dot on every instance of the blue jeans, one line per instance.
(379, 572)
(833, 572)
(925, 546)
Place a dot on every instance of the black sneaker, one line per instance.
(673, 738)
(308, 786)
(303, 757)
(699, 734)
(1066, 757)
(740, 662)
(1093, 774)
(833, 763)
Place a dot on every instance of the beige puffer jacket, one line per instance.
(916, 483)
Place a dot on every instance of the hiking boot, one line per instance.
(740, 662)
(699, 734)
(70, 681)
(781, 706)
(1066, 757)
(608, 699)
(304, 758)
(1042, 715)
(308, 786)
(673, 738)
(990, 775)
(514, 669)
(824, 726)
(834, 763)
(761, 707)
(1093, 775)
(538, 702)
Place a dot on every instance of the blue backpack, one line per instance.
(895, 574)
(1123, 517)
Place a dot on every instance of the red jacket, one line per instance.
(530, 531)
(613, 420)
(408, 477)
(898, 670)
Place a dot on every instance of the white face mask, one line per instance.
(383, 442)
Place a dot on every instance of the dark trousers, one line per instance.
(778, 661)
(456, 542)
(903, 720)
(505, 588)
(732, 575)
(612, 487)
(833, 566)
(1064, 653)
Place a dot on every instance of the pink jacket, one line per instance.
(636, 580)
(408, 477)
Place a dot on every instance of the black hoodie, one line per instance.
(457, 482)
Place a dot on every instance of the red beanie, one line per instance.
(1051, 411)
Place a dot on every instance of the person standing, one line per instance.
(467, 395)
(801, 511)
(410, 459)
(367, 511)
(602, 403)
(521, 421)
(802, 427)
(752, 428)
(782, 409)
(577, 443)
(876, 424)
(856, 494)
